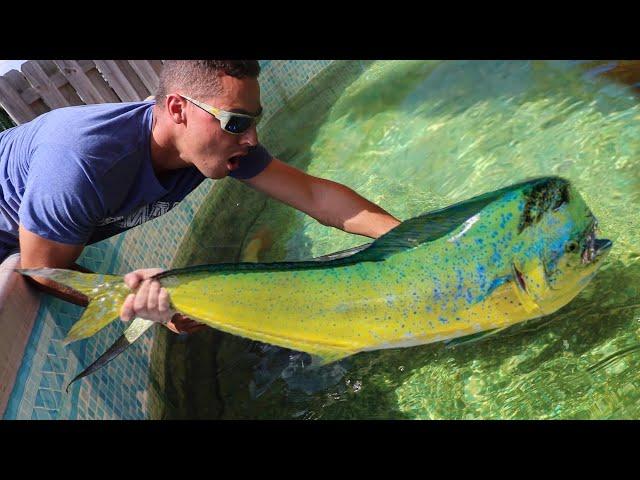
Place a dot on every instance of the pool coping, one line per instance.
(18, 299)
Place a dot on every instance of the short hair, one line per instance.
(199, 78)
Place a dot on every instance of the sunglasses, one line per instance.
(234, 123)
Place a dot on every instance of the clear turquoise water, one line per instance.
(416, 136)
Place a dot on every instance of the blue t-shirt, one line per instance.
(78, 175)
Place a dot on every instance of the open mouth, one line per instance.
(594, 247)
(233, 163)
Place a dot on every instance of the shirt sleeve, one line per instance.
(253, 163)
(60, 201)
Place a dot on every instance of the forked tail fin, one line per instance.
(106, 295)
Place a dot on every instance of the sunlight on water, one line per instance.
(416, 136)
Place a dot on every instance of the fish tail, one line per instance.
(106, 295)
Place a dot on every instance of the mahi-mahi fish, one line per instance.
(476, 267)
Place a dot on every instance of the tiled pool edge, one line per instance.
(17, 299)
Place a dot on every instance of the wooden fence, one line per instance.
(44, 85)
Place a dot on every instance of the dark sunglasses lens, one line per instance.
(238, 124)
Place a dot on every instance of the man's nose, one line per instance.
(250, 137)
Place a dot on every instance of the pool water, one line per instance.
(414, 136)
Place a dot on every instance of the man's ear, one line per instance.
(176, 107)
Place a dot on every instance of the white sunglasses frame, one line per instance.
(222, 115)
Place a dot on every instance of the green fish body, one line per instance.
(507, 256)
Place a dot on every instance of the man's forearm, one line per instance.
(61, 291)
(343, 208)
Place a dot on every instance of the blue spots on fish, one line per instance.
(504, 218)
(459, 285)
(469, 296)
(508, 197)
(517, 248)
(555, 250)
(496, 283)
(459, 292)
(538, 248)
(442, 320)
(437, 291)
(482, 275)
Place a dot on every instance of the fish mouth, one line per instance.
(594, 247)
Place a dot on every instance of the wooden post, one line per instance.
(39, 80)
(118, 80)
(76, 76)
(147, 74)
(12, 102)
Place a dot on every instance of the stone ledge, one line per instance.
(19, 304)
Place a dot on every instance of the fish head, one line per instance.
(561, 252)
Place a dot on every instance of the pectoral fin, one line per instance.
(325, 357)
(475, 337)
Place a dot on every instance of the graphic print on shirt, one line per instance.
(138, 217)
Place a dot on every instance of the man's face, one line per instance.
(205, 144)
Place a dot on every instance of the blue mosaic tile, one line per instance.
(57, 394)
(41, 414)
(55, 364)
(46, 399)
(54, 381)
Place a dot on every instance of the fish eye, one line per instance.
(571, 247)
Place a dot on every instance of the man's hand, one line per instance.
(151, 302)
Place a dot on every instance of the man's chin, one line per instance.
(219, 175)
(215, 174)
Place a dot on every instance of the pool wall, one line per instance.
(35, 367)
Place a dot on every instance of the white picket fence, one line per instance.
(43, 85)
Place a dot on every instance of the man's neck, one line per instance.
(164, 155)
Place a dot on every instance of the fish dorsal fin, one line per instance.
(434, 225)
(426, 228)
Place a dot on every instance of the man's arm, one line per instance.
(39, 252)
(330, 203)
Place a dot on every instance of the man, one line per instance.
(77, 175)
